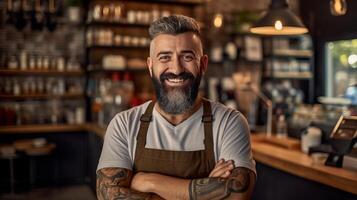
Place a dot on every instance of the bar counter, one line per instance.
(300, 164)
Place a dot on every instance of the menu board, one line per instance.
(346, 128)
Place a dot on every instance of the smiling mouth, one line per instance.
(176, 81)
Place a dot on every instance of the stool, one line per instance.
(34, 152)
(8, 152)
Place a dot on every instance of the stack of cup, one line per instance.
(310, 139)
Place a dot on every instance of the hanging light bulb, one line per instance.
(278, 25)
(218, 20)
(279, 20)
(338, 7)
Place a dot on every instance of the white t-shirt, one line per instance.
(231, 139)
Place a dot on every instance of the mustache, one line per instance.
(182, 75)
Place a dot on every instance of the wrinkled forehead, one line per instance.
(176, 43)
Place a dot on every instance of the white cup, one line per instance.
(312, 138)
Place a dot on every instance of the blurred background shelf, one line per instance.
(42, 128)
(293, 53)
(290, 75)
(39, 97)
(117, 23)
(6, 72)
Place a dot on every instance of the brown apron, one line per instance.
(182, 164)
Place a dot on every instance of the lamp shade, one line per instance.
(279, 20)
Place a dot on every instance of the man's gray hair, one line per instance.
(173, 25)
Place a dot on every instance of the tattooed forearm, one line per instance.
(114, 183)
(220, 188)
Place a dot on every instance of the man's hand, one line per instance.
(222, 169)
(239, 185)
(141, 182)
(166, 187)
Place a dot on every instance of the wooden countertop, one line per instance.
(53, 128)
(298, 163)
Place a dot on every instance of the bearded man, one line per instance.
(181, 146)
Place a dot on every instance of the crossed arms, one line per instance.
(224, 182)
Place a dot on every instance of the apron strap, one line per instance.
(207, 119)
(145, 120)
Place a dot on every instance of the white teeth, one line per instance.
(176, 80)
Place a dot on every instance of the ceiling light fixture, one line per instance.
(338, 7)
(279, 20)
(218, 20)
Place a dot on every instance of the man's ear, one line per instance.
(149, 63)
(204, 63)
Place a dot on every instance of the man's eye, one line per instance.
(164, 58)
(188, 58)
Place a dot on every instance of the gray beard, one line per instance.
(176, 100)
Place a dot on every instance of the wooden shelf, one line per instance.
(104, 47)
(176, 2)
(43, 128)
(53, 128)
(117, 23)
(39, 72)
(291, 75)
(39, 97)
(239, 60)
(101, 70)
(292, 53)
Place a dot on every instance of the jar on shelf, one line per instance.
(32, 62)
(23, 60)
(12, 62)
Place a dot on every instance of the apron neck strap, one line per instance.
(145, 120)
(207, 119)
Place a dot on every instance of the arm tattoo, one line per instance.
(114, 183)
(220, 188)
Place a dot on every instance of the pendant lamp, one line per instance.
(279, 20)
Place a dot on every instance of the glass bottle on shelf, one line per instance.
(281, 127)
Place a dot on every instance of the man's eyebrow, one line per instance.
(163, 53)
(188, 51)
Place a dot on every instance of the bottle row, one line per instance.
(285, 96)
(31, 61)
(110, 95)
(107, 37)
(58, 112)
(39, 85)
(291, 65)
(120, 62)
(116, 12)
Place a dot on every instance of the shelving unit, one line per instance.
(240, 63)
(288, 60)
(42, 80)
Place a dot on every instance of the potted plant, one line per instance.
(74, 10)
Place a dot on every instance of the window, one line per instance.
(341, 69)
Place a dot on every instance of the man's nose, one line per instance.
(176, 66)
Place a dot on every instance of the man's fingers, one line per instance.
(226, 175)
(221, 172)
(221, 168)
